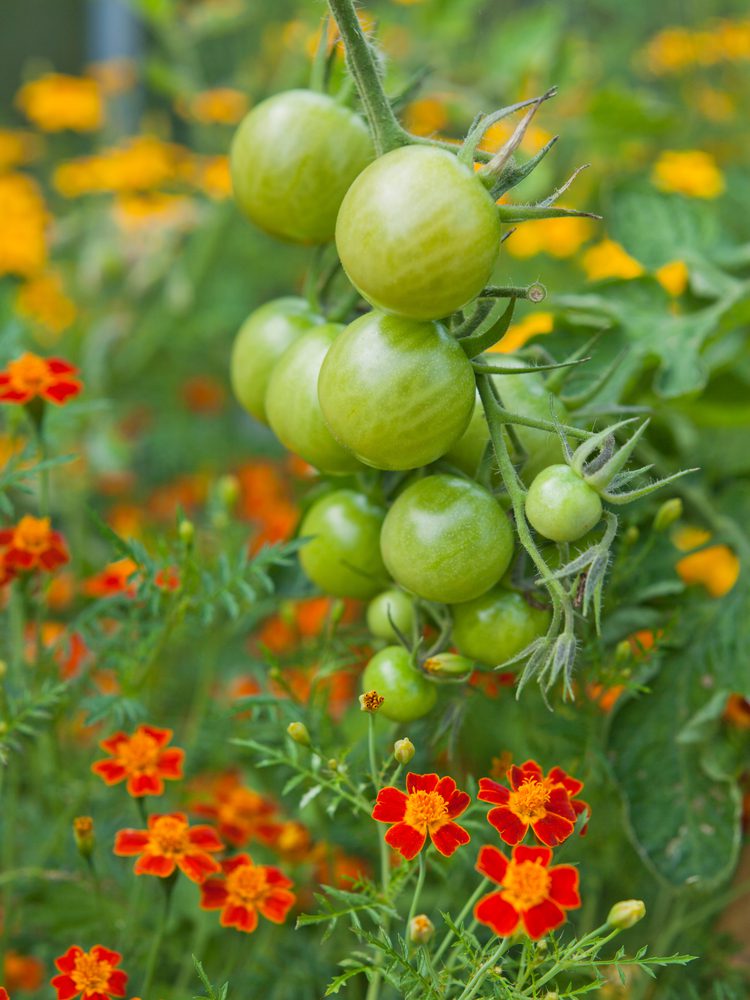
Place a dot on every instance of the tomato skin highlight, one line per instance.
(343, 556)
(262, 339)
(292, 160)
(561, 506)
(292, 404)
(495, 627)
(396, 392)
(446, 539)
(418, 233)
(398, 605)
(407, 692)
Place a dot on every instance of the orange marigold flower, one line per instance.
(142, 758)
(22, 972)
(168, 578)
(692, 172)
(56, 102)
(30, 376)
(168, 843)
(430, 805)
(91, 974)
(293, 841)
(4, 993)
(544, 804)
(23, 221)
(42, 299)
(533, 894)
(115, 578)
(245, 890)
(737, 711)
(32, 544)
(218, 106)
(241, 814)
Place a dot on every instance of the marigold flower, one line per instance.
(544, 804)
(23, 221)
(520, 333)
(32, 544)
(4, 993)
(219, 106)
(691, 172)
(22, 972)
(142, 759)
(241, 814)
(17, 148)
(608, 259)
(42, 299)
(533, 894)
(737, 712)
(245, 890)
(115, 578)
(169, 843)
(430, 805)
(30, 376)
(91, 974)
(56, 102)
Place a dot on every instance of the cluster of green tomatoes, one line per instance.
(427, 538)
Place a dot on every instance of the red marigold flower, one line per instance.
(245, 890)
(142, 759)
(91, 974)
(30, 376)
(241, 814)
(532, 893)
(429, 806)
(115, 578)
(4, 994)
(169, 843)
(544, 804)
(32, 544)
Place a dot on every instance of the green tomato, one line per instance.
(262, 339)
(446, 539)
(497, 626)
(418, 233)
(395, 392)
(391, 605)
(293, 158)
(343, 556)
(561, 506)
(292, 404)
(466, 453)
(407, 692)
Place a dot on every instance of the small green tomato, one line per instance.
(392, 607)
(561, 506)
(497, 626)
(407, 692)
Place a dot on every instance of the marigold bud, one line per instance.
(228, 490)
(626, 913)
(186, 531)
(623, 651)
(403, 750)
(333, 764)
(669, 512)
(83, 834)
(371, 701)
(450, 666)
(421, 929)
(298, 731)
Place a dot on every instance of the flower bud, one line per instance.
(669, 512)
(551, 995)
(448, 666)
(333, 764)
(83, 834)
(421, 929)
(623, 651)
(228, 490)
(403, 750)
(371, 701)
(298, 731)
(186, 531)
(626, 913)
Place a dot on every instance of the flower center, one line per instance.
(529, 803)
(32, 533)
(242, 807)
(526, 884)
(247, 884)
(91, 975)
(169, 835)
(426, 810)
(29, 372)
(139, 754)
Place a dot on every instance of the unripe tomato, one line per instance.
(343, 557)
(262, 339)
(407, 692)
(497, 626)
(418, 233)
(292, 404)
(395, 392)
(293, 158)
(397, 605)
(466, 453)
(446, 539)
(561, 506)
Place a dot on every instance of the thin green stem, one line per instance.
(469, 906)
(472, 987)
(417, 891)
(373, 989)
(168, 888)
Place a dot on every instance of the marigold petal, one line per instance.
(154, 864)
(491, 791)
(564, 886)
(160, 736)
(390, 805)
(205, 837)
(497, 913)
(213, 894)
(458, 803)
(145, 784)
(197, 866)
(113, 743)
(552, 830)
(572, 785)
(517, 775)
(129, 842)
(511, 829)
(446, 787)
(421, 782)
(406, 840)
(59, 392)
(155, 817)
(276, 905)
(66, 988)
(242, 917)
(59, 366)
(229, 864)
(448, 837)
(543, 917)
(67, 962)
(492, 863)
(524, 853)
(109, 770)
(170, 763)
(277, 878)
(102, 954)
(117, 983)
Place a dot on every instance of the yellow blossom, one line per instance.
(140, 164)
(219, 106)
(23, 218)
(55, 102)
(498, 134)
(425, 116)
(691, 172)
(212, 177)
(715, 567)
(608, 259)
(556, 237)
(17, 148)
(675, 50)
(673, 277)
(519, 333)
(42, 299)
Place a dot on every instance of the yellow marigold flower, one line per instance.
(519, 333)
(56, 102)
(42, 299)
(141, 164)
(673, 277)
(671, 51)
(23, 218)
(734, 38)
(557, 237)
(213, 178)
(608, 259)
(715, 567)
(220, 106)
(691, 172)
(425, 116)
(17, 148)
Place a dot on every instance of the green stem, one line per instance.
(417, 892)
(373, 989)
(472, 987)
(462, 916)
(167, 887)
(387, 134)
